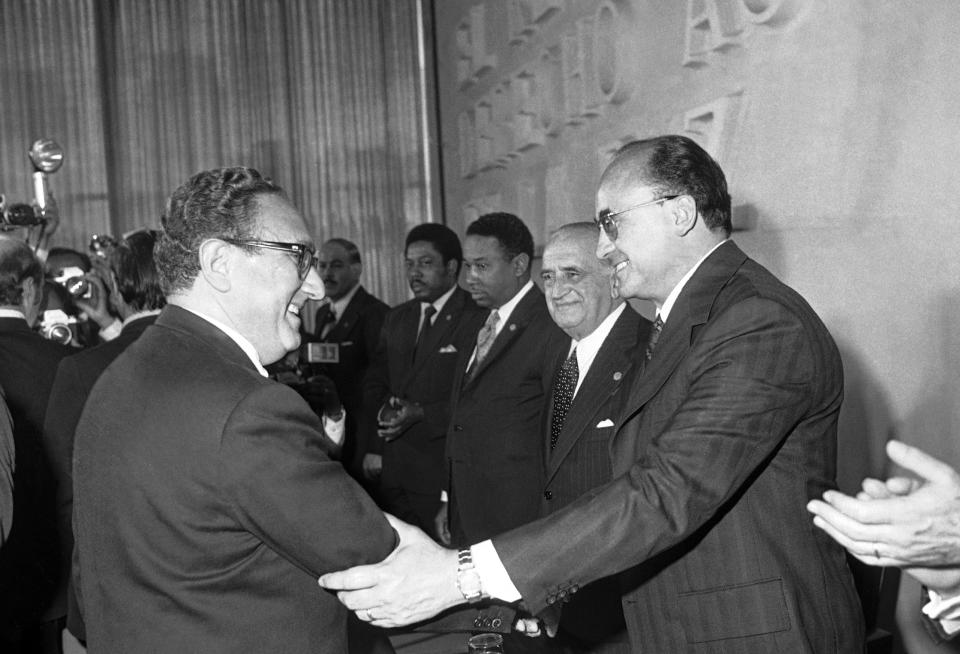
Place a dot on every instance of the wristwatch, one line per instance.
(468, 579)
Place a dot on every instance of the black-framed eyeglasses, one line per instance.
(606, 222)
(306, 255)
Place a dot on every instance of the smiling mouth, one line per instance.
(620, 266)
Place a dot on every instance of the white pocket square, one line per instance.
(448, 349)
(605, 423)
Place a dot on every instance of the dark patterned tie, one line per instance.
(325, 323)
(428, 312)
(654, 337)
(563, 387)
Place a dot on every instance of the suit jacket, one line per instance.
(75, 378)
(205, 506)
(581, 462)
(357, 332)
(29, 561)
(720, 443)
(494, 445)
(415, 461)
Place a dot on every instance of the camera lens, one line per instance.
(21, 215)
(78, 287)
(59, 333)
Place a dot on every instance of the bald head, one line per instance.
(577, 284)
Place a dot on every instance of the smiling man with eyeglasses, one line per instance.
(727, 427)
(205, 500)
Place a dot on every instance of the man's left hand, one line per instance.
(416, 582)
(900, 522)
(406, 415)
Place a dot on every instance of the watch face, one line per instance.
(469, 582)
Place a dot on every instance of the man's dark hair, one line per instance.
(676, 165)
(353, 252)
(17, 263)
(441, 237)
(513, 235)
(218, 203)
(132, 264)
(62, 252)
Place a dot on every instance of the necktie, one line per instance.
(563, 387)
(428, 312)
(654, 337)
(325, 323)
(485, 338)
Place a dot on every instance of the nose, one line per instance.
(604, 245)
(312, 285)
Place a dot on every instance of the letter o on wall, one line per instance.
(772, 12)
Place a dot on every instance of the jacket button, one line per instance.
(551, 599)
(496, 623)
(457, 428)
(548, 494)
(478, 623)
(487, 622)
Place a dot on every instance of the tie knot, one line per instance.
(492, 319)
(428, 311)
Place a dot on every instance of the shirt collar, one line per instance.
(339, 306)
(664, 311)
(236, 337)
(440, 301)
(507, 308)
(12, 313)
(140, 314)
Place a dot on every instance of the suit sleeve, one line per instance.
(6, 470)
(287, 492)
(748, 383)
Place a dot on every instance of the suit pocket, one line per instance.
(737, 611)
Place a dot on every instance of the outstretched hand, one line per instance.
(908, 523)
(416, 582)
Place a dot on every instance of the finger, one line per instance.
(902, 485)
(864, 551)
(873, 489)
(874, 512)
(921, 463)
(359, 577)
(851, 529)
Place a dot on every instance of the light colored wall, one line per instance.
(833, 120)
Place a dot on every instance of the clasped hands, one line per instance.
(913, 524)
(396, 416)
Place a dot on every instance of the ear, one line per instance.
(216, 262)
(521, 264)
(684, 213)
(451, 266)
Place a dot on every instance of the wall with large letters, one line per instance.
(835, 121)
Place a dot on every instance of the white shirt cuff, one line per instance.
(444, 497)
(111, 331)
(944, 609)
(493, 576)
(335, 428)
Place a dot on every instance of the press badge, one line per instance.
(323, 352)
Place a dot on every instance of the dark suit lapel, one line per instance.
(351, 314)
(689, 313)
(443, 325)
(611, 365)
(519, 319)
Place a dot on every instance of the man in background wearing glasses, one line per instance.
(724, 434)
(205, 503)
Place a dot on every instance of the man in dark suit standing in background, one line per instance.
(347, 329)
(408, 385)
(136, 297)
(721, 440)
(29, 561)
(583, 405)
(205, 504)
(494, 447)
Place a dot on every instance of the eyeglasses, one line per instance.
(606, 222)
(306, 255)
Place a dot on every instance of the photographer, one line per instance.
(134, 295)
(84, 304)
